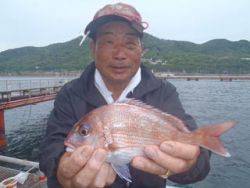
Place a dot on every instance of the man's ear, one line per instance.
(92, 48)
(143, 49)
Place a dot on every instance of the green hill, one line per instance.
(215, 56)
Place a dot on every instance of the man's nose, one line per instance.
(119, 53)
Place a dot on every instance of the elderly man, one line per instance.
(116, 32)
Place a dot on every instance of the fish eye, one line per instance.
(84, 131)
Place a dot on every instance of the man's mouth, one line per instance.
(119, 69)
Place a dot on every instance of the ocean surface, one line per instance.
(208, 101)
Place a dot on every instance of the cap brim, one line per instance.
(92, 26)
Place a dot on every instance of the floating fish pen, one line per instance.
(29, 177)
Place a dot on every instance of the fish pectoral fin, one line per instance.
(121, 158)
(122, 171)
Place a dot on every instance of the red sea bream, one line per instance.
(124, 129)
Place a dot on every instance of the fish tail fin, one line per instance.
(209, 137)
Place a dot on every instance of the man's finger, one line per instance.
(71, 163)
(100, 180)
(111, 175)
(147, 165)
(166, 161)
(180, 150)
(86, 176)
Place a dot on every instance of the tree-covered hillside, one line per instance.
(215, 56)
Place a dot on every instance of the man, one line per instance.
(116, 32)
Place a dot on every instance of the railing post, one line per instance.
(3, 142)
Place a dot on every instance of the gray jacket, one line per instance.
(80, 96)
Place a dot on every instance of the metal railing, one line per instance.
(15, 84)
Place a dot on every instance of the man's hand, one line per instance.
(85, 168)
(174, 156)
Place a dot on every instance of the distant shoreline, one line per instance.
(42, 74)
(77, 74)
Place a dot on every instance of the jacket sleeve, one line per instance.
(200, 170)
(59, 124)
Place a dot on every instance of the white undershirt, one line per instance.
(100, 85)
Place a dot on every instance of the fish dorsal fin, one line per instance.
(176, 122)
(136, 102)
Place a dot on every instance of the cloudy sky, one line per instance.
(43, 22)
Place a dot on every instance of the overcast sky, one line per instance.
(43, 22)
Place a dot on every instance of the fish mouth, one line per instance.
(70, 146)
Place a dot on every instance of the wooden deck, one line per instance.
(12, 95)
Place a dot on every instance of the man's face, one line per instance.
(117, 52)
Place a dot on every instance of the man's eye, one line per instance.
(109, 42)
(131, 46)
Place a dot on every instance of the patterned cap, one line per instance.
(118, 11)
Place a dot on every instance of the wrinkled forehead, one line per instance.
(117, 28)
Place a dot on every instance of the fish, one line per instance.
(125, 128)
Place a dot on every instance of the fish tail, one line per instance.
(209, 137)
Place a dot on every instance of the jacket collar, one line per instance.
(148, 83)
(85, 88)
